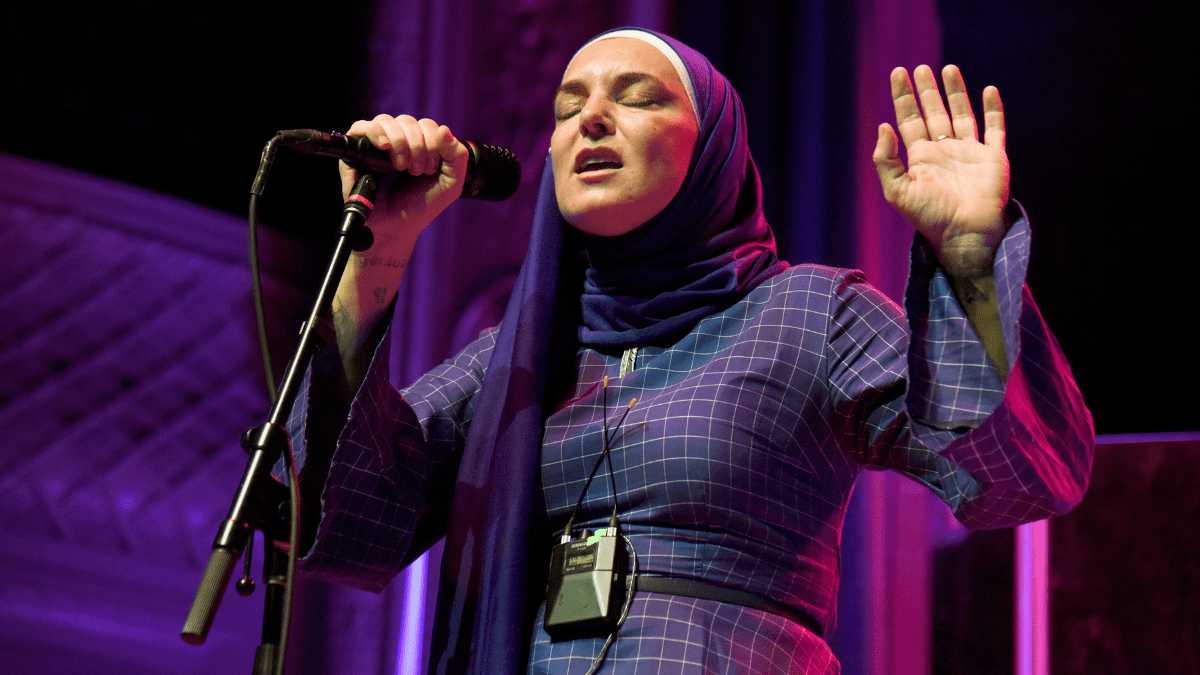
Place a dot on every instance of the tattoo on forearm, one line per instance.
(978, 299)
(381, 261)
(343, 324)
(969, 293)
(381, 295)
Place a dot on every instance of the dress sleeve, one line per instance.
(393, 468)
(999, 453)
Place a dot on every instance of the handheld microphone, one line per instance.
(493, 174)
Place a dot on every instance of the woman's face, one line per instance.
(623, 136)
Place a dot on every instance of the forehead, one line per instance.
(630, 51)
(621, 53)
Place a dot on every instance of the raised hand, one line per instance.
(955, 188)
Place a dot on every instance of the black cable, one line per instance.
(613, 523)
(256, 191)
(630, 589)
(259, 314)
(293, 553)
(600, 460)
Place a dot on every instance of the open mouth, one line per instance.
(597, 161)
(599, 165)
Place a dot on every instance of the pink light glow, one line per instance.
(412, 622)
(1032, 617)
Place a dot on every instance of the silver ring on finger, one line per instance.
(943, 136)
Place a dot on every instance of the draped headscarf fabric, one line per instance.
(706, 250)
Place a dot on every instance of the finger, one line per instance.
(887, 162)
(908, 113)
(366, 128)
(961, 116)
(400, 141)
(452, 154)
(432, 139)
(349, 177)
(374, 130)
(993, 118)
(414, 142)
(386, 133)
(937, 122)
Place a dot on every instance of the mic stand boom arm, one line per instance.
(257, 503)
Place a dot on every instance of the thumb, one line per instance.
(349, 178)
(887, 161)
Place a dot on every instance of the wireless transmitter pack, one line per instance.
(587, 586)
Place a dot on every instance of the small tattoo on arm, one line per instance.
(381, 294)
(969, 293)
(363, 262)
(380, 261)
(343, 325)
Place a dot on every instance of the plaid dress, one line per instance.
(735, 466)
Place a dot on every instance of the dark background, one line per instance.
(180, 99)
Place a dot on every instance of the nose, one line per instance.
(595, 119)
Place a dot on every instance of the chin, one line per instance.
(602, 225)
(607, 219)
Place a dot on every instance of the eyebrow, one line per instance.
(623, 80)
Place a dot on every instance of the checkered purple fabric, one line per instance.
(736, 464)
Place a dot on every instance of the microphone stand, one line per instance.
(261, 502)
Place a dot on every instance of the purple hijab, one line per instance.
(707, 249)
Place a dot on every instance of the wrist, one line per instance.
(978, 298)
(968, 256)
(971, 254)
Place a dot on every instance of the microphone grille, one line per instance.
(494, 173)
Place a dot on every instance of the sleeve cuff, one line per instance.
(953, 386)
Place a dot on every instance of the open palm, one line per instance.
(955, 187)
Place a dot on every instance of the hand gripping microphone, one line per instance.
(493, 174)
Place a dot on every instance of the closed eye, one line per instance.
(568, 102)
(639, 101)
(634, 90)
(565, 112)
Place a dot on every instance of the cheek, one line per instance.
(556, 151)
(672, 154)
(559, 158)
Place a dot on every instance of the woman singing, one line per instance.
(762, 389)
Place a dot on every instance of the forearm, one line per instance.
(437, 162)
(1018, 449)
(977, 296)
(362, 303)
